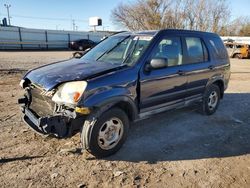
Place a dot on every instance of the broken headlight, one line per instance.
(70, 92)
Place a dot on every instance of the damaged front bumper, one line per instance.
(60, 125)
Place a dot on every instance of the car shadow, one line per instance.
(185, 134)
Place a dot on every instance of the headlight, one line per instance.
(70, 92)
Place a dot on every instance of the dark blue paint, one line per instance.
(51, 75)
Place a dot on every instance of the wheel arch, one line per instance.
(123, 102)
(128, 108)
(235, 55)
(220, 83)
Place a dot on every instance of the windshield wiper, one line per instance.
(108, 51)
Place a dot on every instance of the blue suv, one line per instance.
(126, 77)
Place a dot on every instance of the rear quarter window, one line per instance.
(218, 48)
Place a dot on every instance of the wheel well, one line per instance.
(235, 55)
(128, 109)
(220, 84)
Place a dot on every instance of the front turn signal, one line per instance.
(77, 96)
(82, 110)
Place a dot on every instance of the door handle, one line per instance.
(181, 72)
(211, 67)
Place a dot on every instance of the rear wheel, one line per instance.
(239, 56)
(211, 99)
(103, 136)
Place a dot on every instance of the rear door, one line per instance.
(199, 67)
(166, 86)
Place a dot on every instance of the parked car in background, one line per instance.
(82, 44)
(79, 54)
(127, 77)
(238, 50)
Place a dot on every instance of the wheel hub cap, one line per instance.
(212, 100)
(110, 133)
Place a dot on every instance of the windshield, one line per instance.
(119, 49)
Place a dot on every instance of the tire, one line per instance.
(104, 135)
(80, 48)
(234, 56)
(239, 56)
(211, 99)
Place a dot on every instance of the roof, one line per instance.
(154, 32)
(149, 32)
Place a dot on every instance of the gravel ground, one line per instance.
(31, 59)
(180, 148)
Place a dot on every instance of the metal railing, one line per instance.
(22, 38)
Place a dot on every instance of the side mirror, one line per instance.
(157, 63)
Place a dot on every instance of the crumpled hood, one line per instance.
(49, 76)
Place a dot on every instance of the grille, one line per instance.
(41, 105)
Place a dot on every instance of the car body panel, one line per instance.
(51, 75)
(161, 86)
(121, 83)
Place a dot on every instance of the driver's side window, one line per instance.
(170, 49)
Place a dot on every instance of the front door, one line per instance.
(166, 86)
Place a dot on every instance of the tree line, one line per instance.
(203, 15)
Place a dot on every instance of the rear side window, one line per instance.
(196, 50)
(219, 48)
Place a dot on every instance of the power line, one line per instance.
(46, 18)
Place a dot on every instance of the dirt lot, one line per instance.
(180, 148)
(28, 60)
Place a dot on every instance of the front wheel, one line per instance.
(211, 99)
(104, 135)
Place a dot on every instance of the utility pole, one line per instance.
(8, 11)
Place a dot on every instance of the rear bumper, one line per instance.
(61, 126)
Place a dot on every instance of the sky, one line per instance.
(58, 14)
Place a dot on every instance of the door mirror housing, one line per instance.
(157, 63)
